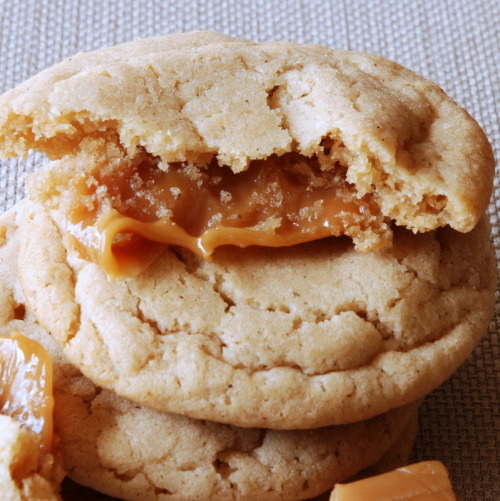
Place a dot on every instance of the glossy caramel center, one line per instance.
(279, 201)
(26, 385)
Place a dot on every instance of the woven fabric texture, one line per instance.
(453, 42)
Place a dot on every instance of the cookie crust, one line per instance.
(287, 338)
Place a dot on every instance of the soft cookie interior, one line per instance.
(118, 210)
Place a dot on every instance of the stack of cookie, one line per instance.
(253, 260)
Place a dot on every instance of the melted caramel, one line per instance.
(425, 481)
(276, 202)
(26, 385)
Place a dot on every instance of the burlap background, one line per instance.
(456, 43)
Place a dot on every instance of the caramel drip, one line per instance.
(26, 385)
(274, 203)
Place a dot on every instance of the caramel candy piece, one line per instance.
(425, 481)
(26, 385)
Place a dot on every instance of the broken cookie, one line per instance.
(203, 140)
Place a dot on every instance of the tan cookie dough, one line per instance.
(275, 338)
(391, 135)
(135, 453)
(25, 473)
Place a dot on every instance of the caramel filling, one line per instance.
(137, 209)
(425, 481)
(26, 385)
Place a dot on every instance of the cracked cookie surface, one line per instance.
(197, 97)
(289, 338)
(129, 451)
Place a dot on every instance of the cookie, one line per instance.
(177, 455)
(129, 451)
(297, 337)
(25, 473)
(397, 456)
(289, 143)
